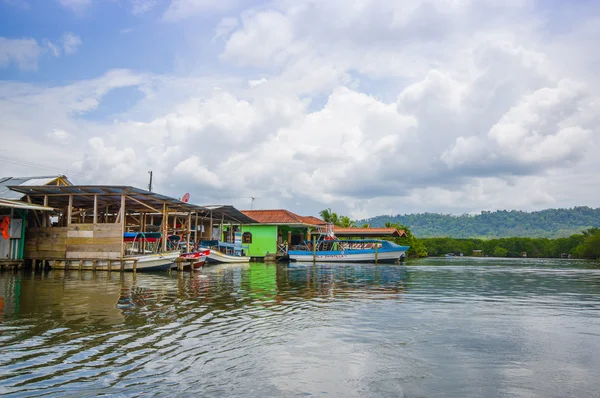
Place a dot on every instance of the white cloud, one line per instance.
(70, 43)
(378, 107)
(226, 26)
(55, 50)
(23, 53)
(142, 6)
(58, 135)
(182, 9)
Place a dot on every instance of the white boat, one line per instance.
(222, 252)
(144, 262)
(330, 249)
(216, 256)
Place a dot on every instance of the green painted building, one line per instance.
(275, 231)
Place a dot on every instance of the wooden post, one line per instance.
(165, 227)
(210, 227)
(196, 231)
(122, 265)
(135, 265)
(93, 265)
(289, 240)
(376, 252)
(221, 236)
(95, 209)
(314, 249)
(189, 232)
(80, 264)
(123, 222)
(45, 220)
(70, 210)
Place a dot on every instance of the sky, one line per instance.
(366, 107)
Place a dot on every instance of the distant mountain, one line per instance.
(551, 223)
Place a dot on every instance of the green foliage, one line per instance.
(499, 251)
(345, 222)
(551, 223)
(333, 218)
(516, 247)
(417, 249)
(590, 247)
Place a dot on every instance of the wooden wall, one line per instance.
(91, 241)
(43, 243)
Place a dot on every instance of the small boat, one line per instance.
(194, 259)
(145, 262)
(142, 253)
(222, 252)
(330, 249)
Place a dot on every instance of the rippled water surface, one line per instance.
(434, 327)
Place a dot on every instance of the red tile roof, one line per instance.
(368, 231)
(278, 216)
(313, 220)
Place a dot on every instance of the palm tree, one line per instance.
(329, 217)
(346, 222)
(326, 215)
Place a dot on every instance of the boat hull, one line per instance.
(149, 262)
(349, 256)
(218, 257)
(189, 265)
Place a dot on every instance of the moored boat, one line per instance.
(222, 252)
(144, 262)
(330, 249)
(195, 260)
(216, 256)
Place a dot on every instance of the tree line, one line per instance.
(550, 223)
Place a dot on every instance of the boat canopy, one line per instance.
(142, 235)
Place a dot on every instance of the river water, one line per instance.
(428, 328)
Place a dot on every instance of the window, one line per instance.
(246, 237)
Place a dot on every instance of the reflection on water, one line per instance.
(434, 327)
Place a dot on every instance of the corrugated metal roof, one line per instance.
(229, 214)
(83, 196)
(17, 204)
(5, 182)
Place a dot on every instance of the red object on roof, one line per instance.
(186, 198)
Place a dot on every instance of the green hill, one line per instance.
(550, 223)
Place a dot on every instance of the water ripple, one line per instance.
(433, 327)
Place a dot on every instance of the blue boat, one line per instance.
(327, 248)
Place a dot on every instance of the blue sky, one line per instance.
(370, 107)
